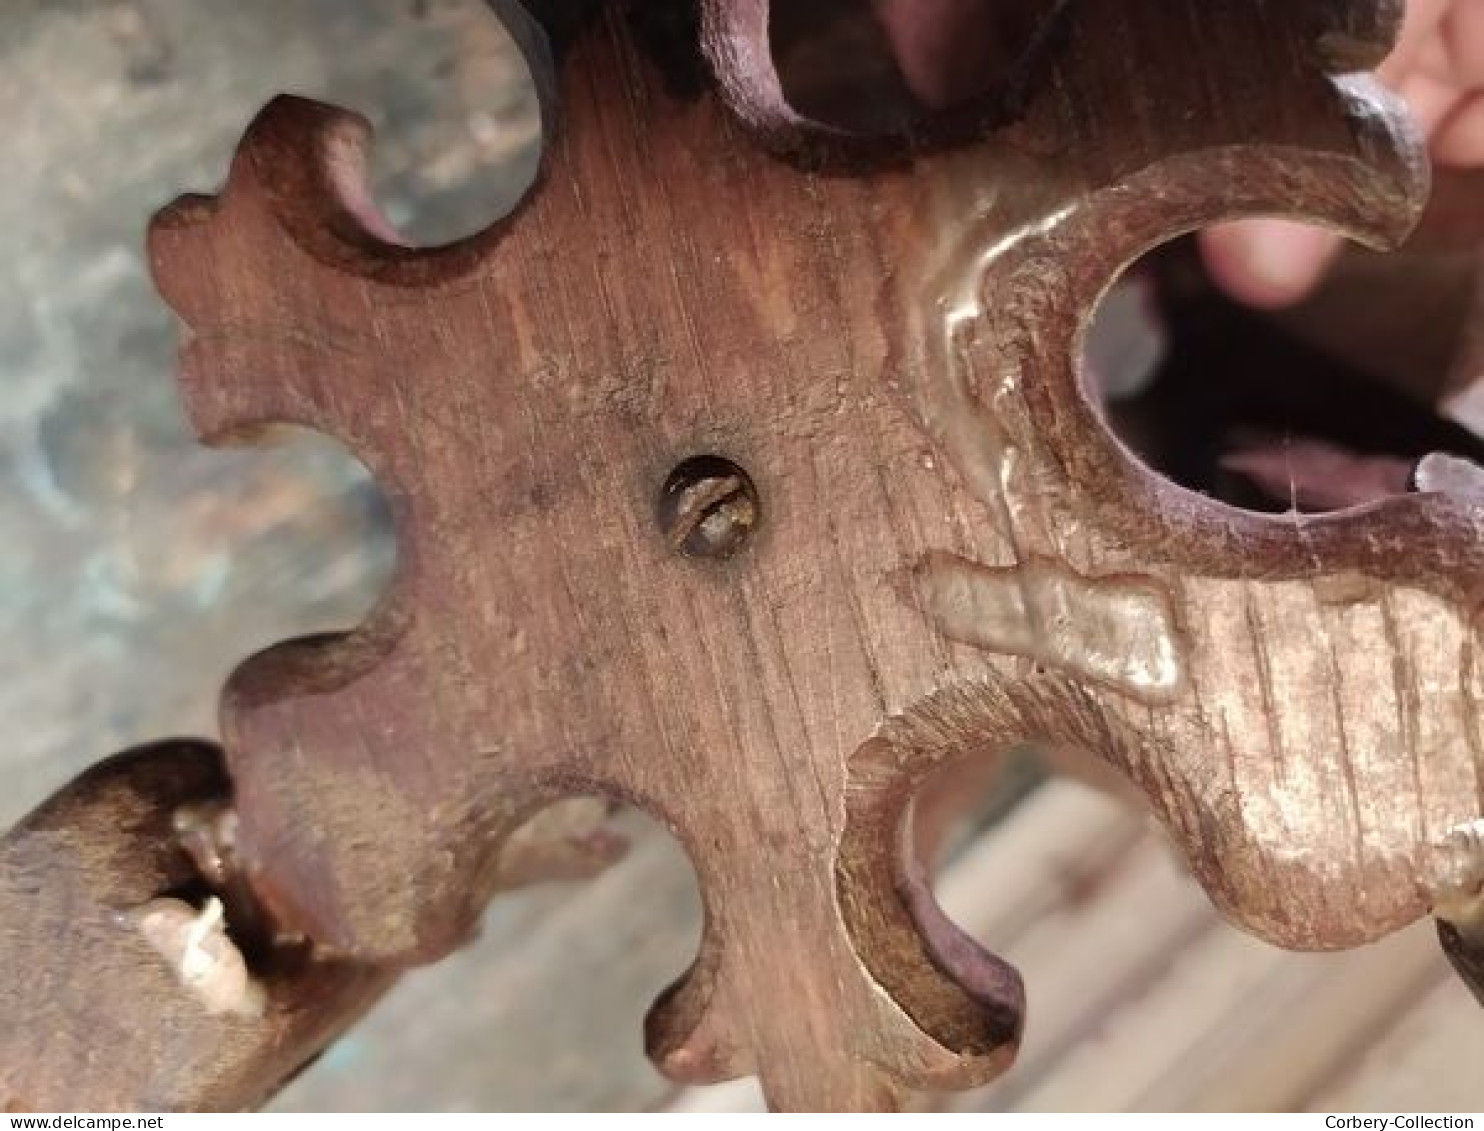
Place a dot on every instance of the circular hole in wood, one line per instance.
(456, 114)
(708, 507)
(1321, 406)
(879, 66)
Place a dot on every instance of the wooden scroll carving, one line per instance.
(745, 473)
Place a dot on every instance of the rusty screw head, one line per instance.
(708, 508)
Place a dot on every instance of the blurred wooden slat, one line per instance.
(1303, 1023)
(1426, 1059)
(1143, 998)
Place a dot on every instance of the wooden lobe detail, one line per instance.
(953, 553)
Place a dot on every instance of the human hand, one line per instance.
(1438, 67)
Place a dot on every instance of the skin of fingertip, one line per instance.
(1228, 252)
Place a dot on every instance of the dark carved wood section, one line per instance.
(947, 552)
(105, 1010)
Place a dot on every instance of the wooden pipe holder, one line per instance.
(909, 538)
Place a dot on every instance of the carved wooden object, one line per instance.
(745, 474)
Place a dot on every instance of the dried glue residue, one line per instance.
(948, 407)
(1118, 631)
(196, 948)
(1449, 475)
(1456, 865)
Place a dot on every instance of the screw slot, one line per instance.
(708, 508)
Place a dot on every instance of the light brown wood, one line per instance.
(926, 545)
(890, 359)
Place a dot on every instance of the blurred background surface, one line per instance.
(136, 570)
